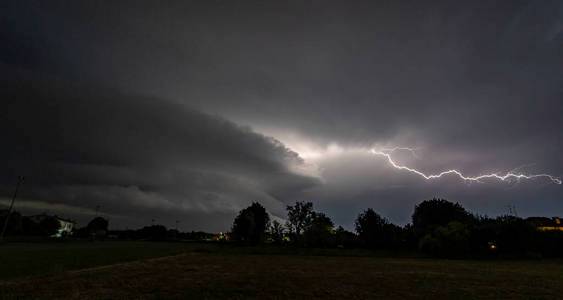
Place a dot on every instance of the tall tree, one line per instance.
(277, 232)
(251, 223)
(374, 230)
(320, 232)
(299, 217)
(98, 227)
(98, 223)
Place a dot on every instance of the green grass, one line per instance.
(218, 271)
(32, 259)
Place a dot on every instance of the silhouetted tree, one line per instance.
(197, 235)
(98, 227)
(173, 233)
(514, 235)
(320, 231)
(375, 231)
(251, 223)
(30, 227)
(345, 238)
(153, 232)
(277, 232)
(299, 217)
(14, 222)
(483, 235)
(550, 243)
(49, 225)
(407, 237)
(451, 240)
(437, 212)
(82, 232)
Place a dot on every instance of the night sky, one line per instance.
(191, 110)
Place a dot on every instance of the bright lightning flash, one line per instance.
(386, 152)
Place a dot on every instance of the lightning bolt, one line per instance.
(386, 152)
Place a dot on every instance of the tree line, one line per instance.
(438, 227)
(49, 226)
(26, 226)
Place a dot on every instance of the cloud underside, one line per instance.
(138, 157)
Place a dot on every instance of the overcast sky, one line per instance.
(191, 110)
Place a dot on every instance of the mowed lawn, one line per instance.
(196, 271)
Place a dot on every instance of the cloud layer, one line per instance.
(138, 157)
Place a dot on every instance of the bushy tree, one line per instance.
(153, 232)
(277, 232)
(98, 227)
(437, 212)
(320, 231)
(299, 217)
(451, 240)
(345, 238)
(407, 237)
(375, 231)
(483, 235)
(514, 235)
(251, 223)
(551, 243)
(510, 235)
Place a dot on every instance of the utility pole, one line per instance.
(20, 181)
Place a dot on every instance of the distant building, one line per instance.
(546, 224)
(67, 226)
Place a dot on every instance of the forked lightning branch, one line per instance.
(509, 176)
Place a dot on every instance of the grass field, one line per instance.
(188, 270)
(31, 259)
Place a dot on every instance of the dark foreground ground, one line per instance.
(143, 270)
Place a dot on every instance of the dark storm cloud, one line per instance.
(136, 156)
(353, 73)
(475, 85)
